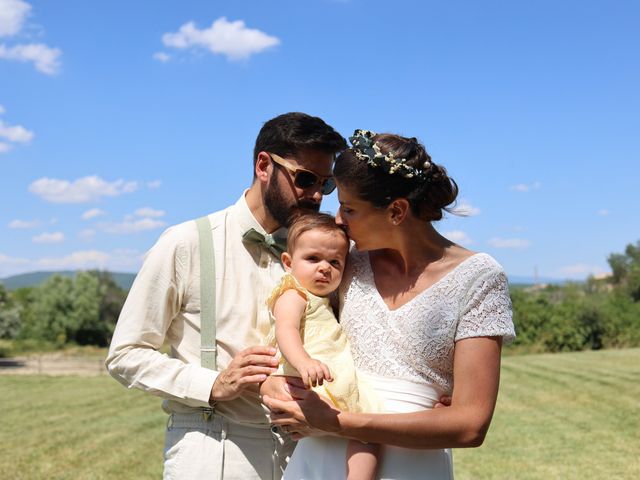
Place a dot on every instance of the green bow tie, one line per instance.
(275, 245)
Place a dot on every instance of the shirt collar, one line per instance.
(246, 220)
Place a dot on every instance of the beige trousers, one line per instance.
(218, 449)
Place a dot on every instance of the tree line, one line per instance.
(598, 313)
(82, 310)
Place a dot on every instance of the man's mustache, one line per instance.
(304, 205)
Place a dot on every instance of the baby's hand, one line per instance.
(314, 372)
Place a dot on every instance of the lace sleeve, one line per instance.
(487, 312)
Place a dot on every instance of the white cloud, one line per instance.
(154, 184)
(6, 260)
(55, 237)
(9, 265)
(93, 213)
(125, 259)
(603, 212)
(24, 224)
(12, 133)
(509, 242)
(75, 260)
(458, 236)
(466, 209)
(580, 270)
(232, 39)
(161, 57)
(44, 58)
(16, 133)
(132, 226)
(87, 234)
(523, 187)
(116, 260)
(13, 14)
(149, 212)
(83, 190)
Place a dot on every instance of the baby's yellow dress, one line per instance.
(324, 340)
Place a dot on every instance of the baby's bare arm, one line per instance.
(288, 310)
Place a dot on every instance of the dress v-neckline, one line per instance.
(379, 298)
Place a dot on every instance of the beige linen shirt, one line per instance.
(164, 304)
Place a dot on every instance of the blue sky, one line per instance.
(118, 119)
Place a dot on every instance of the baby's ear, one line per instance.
(286, 261)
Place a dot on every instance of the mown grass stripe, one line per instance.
(553, 420)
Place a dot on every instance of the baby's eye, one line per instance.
(312, 258)
(336, 263)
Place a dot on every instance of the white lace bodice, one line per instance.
(416, 341)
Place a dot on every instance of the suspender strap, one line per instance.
(207, 295)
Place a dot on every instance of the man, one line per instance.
(217, 427)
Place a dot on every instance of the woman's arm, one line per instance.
(288, 311)
(463, 424)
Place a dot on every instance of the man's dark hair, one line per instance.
(290, 133)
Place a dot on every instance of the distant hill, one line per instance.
(125, 280)
(515, 280)
(33, 279)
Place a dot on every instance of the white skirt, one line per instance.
(322, 458)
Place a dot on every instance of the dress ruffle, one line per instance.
(324, 340)
(287, 282)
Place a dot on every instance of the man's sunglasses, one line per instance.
(306, 178)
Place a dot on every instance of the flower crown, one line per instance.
(369, 151)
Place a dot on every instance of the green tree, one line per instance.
(97, 304)
(9, 315)
(48, 315)
(86, 310)
(112, 298)
(626, 270)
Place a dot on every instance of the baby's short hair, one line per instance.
(312, 221)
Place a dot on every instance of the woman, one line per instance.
(419, 311)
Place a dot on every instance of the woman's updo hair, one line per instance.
(428, 193)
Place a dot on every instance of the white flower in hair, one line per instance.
(369, 151)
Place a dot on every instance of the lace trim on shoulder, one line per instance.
(287, 282)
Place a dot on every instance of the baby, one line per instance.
(310, 339)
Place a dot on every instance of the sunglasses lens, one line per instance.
(305, 179)
(329, 186)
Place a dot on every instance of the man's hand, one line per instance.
(277, 386)
(313, 372)
(248, 368)
(307, 414)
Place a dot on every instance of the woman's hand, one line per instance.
(307, 414)
(445, 401)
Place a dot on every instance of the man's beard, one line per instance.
(281, 210)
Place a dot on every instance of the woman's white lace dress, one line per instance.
(407, 355)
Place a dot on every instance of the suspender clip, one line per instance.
(207, 413)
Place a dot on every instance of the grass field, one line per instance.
(564, 416)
